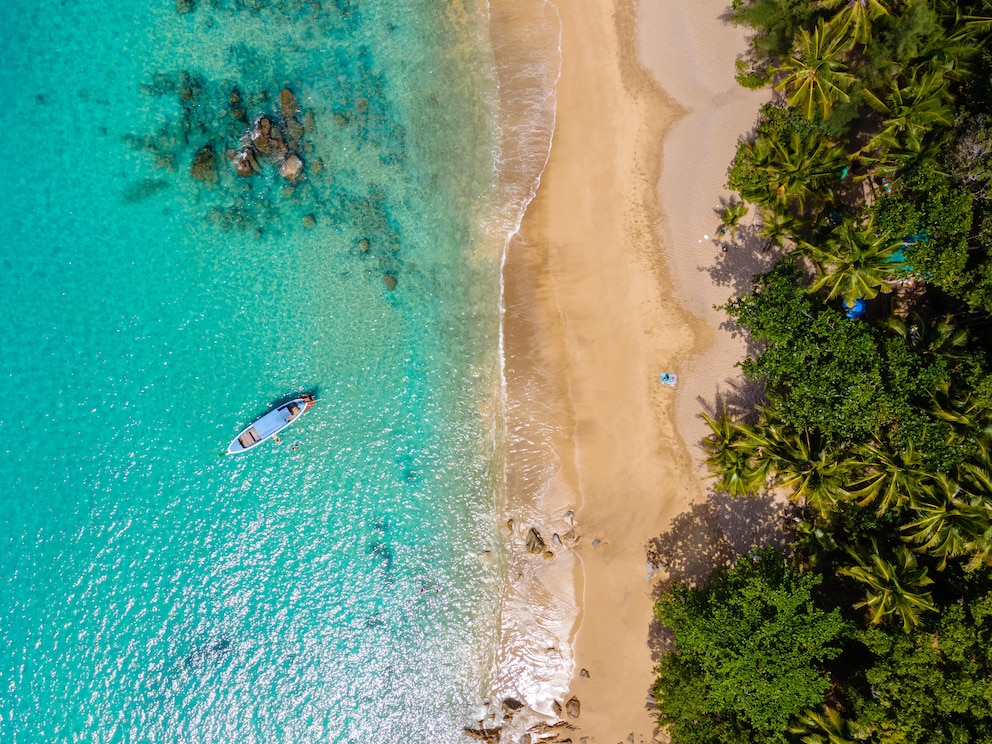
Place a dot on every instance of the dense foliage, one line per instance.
(751, 649)
(872, 174)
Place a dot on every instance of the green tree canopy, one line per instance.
(750, 649)
(934, 684)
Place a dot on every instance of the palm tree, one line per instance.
(797, 460)
(814, 75)
(912, 109)
(777, 226)
(732, 214)
(939, 338)
(731, 452)
(950, 522)
(892, 588)
(855, 262)
(828, 727)
(891, 478)
(853, 19)
(798, 168)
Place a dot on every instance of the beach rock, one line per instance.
(204, 167)
(535, 543)
(390, 281)
(511, 705)
(288, 104)
(572, 708)
(291, 168)
(483, 734)
(309, 220)
(364, 245)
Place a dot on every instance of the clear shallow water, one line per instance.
(335, 591)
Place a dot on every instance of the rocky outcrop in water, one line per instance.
(277, 139)
(204, 167)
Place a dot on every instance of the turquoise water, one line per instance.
(336, 586)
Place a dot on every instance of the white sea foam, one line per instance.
(533, 662)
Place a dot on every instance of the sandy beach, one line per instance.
(611, 282)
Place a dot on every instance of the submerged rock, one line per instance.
(309, 124)
(364, 245)
(288, 104)
(309, 220)
(390, 281)
(294, 132)
(185, 6)
(204, 167)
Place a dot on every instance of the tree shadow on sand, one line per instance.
(740, 399)
(747, 255)
(709, 536)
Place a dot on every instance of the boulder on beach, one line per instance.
(204, 167)
(572, 708)
(535, 543)
(511, 705)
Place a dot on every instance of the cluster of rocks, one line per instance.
(495, 729)
(537, 545)
(277, 140)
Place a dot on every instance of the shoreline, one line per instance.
(598, 301)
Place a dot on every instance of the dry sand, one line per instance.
(606, 286)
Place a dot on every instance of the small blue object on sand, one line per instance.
(667, 378)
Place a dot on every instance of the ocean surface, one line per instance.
(343, 585)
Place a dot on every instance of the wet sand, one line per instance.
(609, 284)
